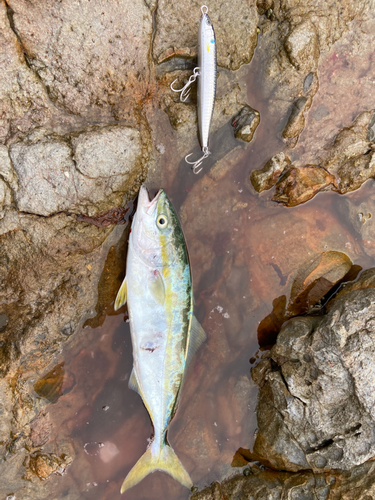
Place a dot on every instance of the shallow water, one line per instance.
(245, 252)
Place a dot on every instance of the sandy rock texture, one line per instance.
(235, 26)
(261, 484)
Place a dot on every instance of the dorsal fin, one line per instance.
(121, 295)
(196, 339)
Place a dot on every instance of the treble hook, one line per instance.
(198, 163)
(185, 91)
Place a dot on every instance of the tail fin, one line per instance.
(165, 460)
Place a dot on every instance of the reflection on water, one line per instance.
(245, 252)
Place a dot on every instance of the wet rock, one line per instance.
(90, 58)
(296, 120)
(346, 163)
(315, 280)
(350, 157)
(41, 430)
(266, 177)
(355, 172)
(316, 411)
(245, 123)
(50, 386)
(43, 465)
(89, 174)
(264, 5)
(294, 38)
(260, 484)
(365, 280)
(298, 185)
(321, 112)
(302, 46)
(235, 27)
(312, 283)
(350, 143)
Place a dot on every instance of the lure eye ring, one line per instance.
(162, 221)
(204, 9)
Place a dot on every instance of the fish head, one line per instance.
(156, 229)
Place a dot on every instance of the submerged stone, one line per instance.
(245, 123)
(266, 177)
(298, 185)
(50, 385)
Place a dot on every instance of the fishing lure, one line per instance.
(206, 71)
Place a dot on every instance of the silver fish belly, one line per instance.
(207, 78)
(164, 332)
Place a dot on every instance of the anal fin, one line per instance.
(133, 383)
(196, 339)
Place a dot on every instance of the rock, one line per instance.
(355, 172)
(245, 123)
(264, 5)
(298, 185)
(50, 386)
(296, 120)
(371, 129)
(24, 103)
(316, 410)
(89, 174)
(345, 165)
(365, 280)
(177, 27)
(302, 46)
(349, 144)
(313, 281)
(259, 484)
(87, 59)
(5, 197)
(43, 465)
(266, 177)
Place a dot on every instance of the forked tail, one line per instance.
(163, 459)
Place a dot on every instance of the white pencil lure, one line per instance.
(206, 71)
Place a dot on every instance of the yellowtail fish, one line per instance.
(165, 334)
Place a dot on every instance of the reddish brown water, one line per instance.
(245, 251)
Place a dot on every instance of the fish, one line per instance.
(207, 73)
(164, 331)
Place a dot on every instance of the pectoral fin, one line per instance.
(196, 339)
(157, 288)
(121, 295)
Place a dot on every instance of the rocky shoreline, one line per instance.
(87, 115)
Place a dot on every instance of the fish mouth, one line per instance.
(145, 202)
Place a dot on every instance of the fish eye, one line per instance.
(162, 221)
